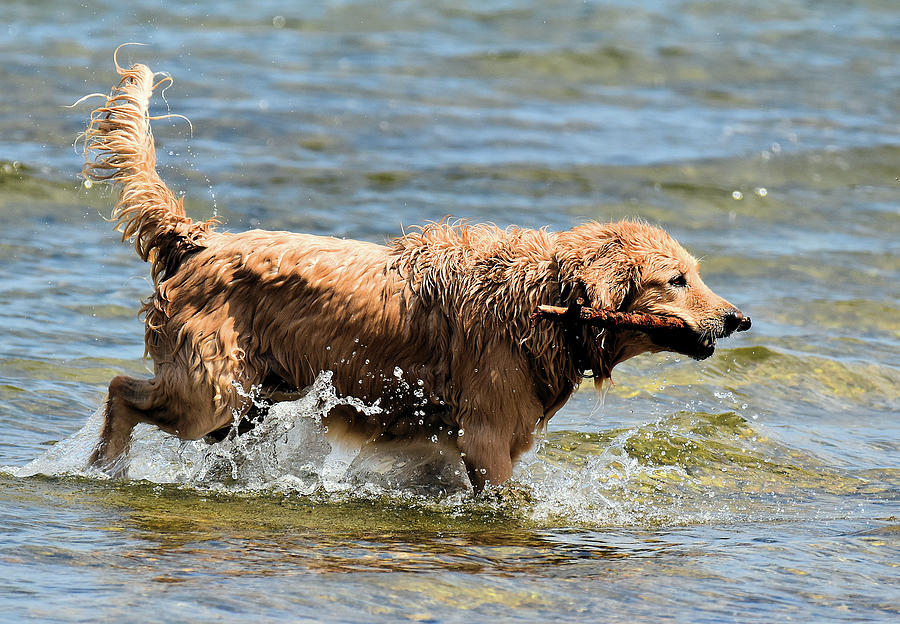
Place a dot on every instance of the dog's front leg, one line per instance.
(486, 454)
(496, 426)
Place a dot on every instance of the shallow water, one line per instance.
(761, 484)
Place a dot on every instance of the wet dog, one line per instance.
(435, 327)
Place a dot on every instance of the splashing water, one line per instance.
(687, 467)
(288, 451)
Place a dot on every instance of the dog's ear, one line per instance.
(610, 283)
(607, 278)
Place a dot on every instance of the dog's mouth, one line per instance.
(697, 345)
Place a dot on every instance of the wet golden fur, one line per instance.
(435, 326)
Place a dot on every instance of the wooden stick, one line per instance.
(611, 319)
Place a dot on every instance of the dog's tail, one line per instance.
(119, 149)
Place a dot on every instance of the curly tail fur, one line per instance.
(121, 141)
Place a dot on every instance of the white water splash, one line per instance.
(609, 488)
(289, 450)
(69, 456)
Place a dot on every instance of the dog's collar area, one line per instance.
(572, 328)
(573, 331)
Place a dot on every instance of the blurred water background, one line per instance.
(759, 485)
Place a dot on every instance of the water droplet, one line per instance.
(737, 196)
(278, 21)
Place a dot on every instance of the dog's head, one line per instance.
(634, 267)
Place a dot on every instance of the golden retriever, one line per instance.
(435, 327)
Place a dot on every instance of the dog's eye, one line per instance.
(679, 281)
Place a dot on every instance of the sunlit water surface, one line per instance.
(759, 485)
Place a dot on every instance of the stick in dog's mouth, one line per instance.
(670, 331)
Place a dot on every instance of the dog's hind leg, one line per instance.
(159, 402)
(122, 414)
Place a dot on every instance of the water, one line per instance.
(759, 485)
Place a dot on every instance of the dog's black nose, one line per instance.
(734, 320)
